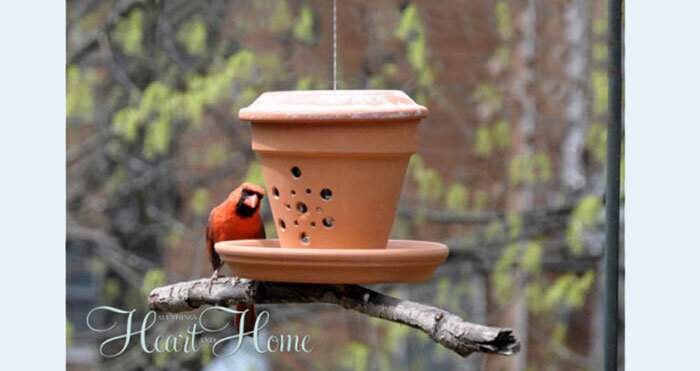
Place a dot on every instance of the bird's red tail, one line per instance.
(249, 319)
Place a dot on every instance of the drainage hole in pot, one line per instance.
(308, 191)
(288, 207)
(313, 224)
(296, 223)
(326, 194)
(318, 210)
(276, 192)
(294, 193)
(301, 207)
(305, 239)
(296, 172)
(282, 225)
(328, 222)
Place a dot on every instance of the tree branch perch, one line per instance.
(444, 328)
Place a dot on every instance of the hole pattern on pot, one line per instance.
(328, 222)
(326, 194)
(299, 211)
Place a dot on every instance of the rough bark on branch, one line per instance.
(444, 328)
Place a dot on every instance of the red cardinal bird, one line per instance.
(237, 218)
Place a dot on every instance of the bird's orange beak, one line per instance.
(251, 201)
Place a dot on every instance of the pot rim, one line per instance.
(328, 106)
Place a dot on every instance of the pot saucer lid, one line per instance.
(330, 105)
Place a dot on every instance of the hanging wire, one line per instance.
(335, 46)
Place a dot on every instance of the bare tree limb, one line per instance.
(128, 265)
(448, 217)
(444, 328)
(124, 8)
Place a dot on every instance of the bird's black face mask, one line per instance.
(243, 207)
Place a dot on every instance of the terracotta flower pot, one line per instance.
(334, 163)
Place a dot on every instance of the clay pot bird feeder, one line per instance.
(334, 163)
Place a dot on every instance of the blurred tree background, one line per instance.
(510, 170)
